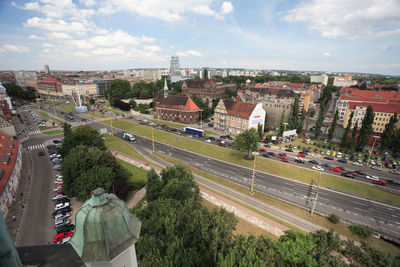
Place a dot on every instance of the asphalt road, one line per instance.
(381, 217)
(37, 227)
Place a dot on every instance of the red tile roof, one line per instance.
(392, 96)
(179, 102)
(7, 168)
(386, 108)
(239, 108)
(49, 80)
(364, 99)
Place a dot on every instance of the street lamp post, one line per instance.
(370, 154)
(316, 196)
(254, 170)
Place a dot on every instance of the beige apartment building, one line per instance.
(85, 89)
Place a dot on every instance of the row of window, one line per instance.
(176, 115)
(382, 119)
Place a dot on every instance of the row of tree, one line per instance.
(87, 165)
(16, 91)
(178, 231)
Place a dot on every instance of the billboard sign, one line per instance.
(289, 133)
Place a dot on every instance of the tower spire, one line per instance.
(165, 87)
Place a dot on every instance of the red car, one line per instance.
(301, 155)
(271, 154)
(61, 236)
(262, 150)
(336, 169)
(284, 160)
(221, 144)
(282, 157)
(380, 182)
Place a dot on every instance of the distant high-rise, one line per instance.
(175, 66)
(46, 69)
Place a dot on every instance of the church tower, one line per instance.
(165, 87)
(106, 232)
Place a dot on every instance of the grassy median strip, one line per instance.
(66, 108)
(53, 132)
(43, 128)
(46, 116)
(304, 175)
(339, 228)
(180, 126)
(119, 145)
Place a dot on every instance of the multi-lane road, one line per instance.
(381, 217)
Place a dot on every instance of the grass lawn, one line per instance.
(138, 178)
(42, 128)
(307, 176)
(243, 227)
(339, 228)
(180, 126)
(66, 108)
(44, 115)
(121, 146)
(53, 132)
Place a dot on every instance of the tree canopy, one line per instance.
(246, 142)
(333, 125)
(366, 128)
(388, 135)
(16, 91)
(294, 115)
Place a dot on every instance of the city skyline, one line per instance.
(317, 35)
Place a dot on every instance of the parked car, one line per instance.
(301, 155)
(262, 150)
(336, 169)
(342, 160)
(60, 216)
(328, 158)
(347, 174)
(357, 164)
(299, 160)
(317, 168)
(313, 161)
(380, 182)
(284, 160)
(289, 150)
(61, 205)
(59, 197)
(271, 154)
(372, 177)
(65, 228)
(327, 165)
(265, 155)
(61, 222)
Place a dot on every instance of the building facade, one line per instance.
(22, 77)
(85, 89)
(50, 87)
(382, 115)
(177, 108)
(234, 117)
(323, 78)
(10, 170)
(206, 90)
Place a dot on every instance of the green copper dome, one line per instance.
(105, 227)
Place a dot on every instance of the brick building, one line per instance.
(206, 90)
(177, 108)
(10, 170)
(50, 87)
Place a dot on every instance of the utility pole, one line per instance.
(54, 109)
(370, 154)
(254, 170)
(316, 196)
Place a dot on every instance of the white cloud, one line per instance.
(14, 48)
(58, 35)
(189, 53)
(152, 48)
(349, 19)
(226, 8)
(47, 45)
(175, 10)
(327, 54)
(53, 25)
(88, 3)
(384, 47)
(34, 37)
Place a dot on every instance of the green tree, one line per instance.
(91, 101)
(133, 103)
(81, 135)
(67, 129)
(260, 132)
(319, 122)
(387, 138)
(354, 134)
(119, 89)
(282, 124)
(265, 122)
(86, 168)
(246, 142)
(300, 128)
(311, 112)
(345, 138)
(294, 115)
(366, 128)
(333, 125)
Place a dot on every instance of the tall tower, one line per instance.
(165, 87)
(46, 69)
(174, 63)
(106, 232)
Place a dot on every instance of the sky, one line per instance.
(313, 35)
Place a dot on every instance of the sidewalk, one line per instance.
(15, 212)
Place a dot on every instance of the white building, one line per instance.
(323, 78)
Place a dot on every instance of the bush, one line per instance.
(333, 218)
(361, 231)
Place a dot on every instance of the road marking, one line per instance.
(38, 146)
(33, 132)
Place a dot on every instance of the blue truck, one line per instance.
(195, 131)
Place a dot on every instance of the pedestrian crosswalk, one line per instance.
(38, 146)
(34, 132)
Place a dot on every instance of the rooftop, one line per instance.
(7, 161)
(239, 108)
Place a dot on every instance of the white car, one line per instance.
(208, 140)
(65, 240)
(59, 180)
(372, 177)
(61, 216)
(317, 168)
(372, 162)
(57, 188)
(62, 205)
(59, 197)
(61, 222)
(357, 164)
(339, 155)
(328, 152)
